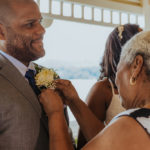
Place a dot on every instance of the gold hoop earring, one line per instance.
(132, 81)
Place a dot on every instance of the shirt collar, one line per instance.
(19, 65)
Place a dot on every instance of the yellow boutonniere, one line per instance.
(44, 77)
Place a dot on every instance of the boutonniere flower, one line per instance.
(45, 77)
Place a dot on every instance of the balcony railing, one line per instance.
(87, 13)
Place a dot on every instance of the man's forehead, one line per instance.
(16, 4)
(26, 10)
(9, 2)
(12, 8)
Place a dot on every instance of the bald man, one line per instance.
(22, 126)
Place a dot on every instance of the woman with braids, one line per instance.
(103, 98)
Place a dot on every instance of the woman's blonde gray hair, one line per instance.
(138, 45)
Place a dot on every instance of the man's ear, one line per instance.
(136, 66)
(2, 32)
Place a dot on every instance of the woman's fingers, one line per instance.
(67, 89)
(61, 87)
(63, 82)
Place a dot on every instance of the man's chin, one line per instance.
(38, 48)
(40, 52)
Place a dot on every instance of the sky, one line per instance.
(71, 42)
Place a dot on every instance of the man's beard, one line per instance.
(20, 47)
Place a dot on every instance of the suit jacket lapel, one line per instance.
(7, 70)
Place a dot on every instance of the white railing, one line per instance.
(86, 13)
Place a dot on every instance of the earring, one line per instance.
(132, 81)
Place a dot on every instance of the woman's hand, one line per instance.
(51, 101)
(67, 90)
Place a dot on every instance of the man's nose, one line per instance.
(40, 30)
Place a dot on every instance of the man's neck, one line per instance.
(26, 63)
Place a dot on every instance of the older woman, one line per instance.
(129, 130)
(103, 98)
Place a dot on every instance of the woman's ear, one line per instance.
(136, 66)
(2, 32)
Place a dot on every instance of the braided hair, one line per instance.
(113, 47)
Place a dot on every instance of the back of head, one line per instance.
(138, 45)
(114, 44)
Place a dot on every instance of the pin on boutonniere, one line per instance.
(45, 77)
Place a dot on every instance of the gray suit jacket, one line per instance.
(21, 125)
